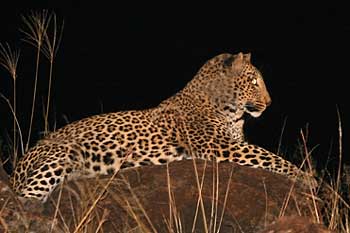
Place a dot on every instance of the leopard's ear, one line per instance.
(238, 63)
(239, 56)
(247, 57)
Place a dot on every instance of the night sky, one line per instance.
(115, 57)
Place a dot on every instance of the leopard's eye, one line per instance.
(254, 81)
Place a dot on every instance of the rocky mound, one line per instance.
(174, 198)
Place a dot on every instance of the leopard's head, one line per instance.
(233, 85)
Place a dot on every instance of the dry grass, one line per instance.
(37, 24)
(174, 221)
(312, 194)
(9, 60)
(44, 33)
(336, 202)
(50, 49)
(330, 202)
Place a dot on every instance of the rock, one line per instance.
(165, 198)
(295, 224)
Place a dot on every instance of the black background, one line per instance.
(116, 57)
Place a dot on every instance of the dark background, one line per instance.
(116, 57)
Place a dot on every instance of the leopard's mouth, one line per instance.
(255, 110)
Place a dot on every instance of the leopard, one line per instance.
(204, 120)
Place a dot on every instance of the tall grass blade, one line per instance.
(9, 60)
(37, 24)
